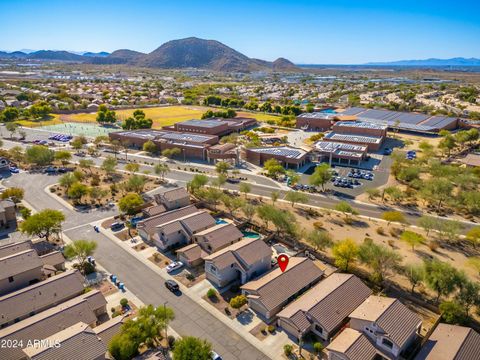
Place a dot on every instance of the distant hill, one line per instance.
(458, 61)
(99, 54)
(13, 55)
(55, 55)
(176, 54)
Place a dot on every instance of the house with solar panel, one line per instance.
(288, 156)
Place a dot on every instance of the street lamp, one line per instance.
(165, 319)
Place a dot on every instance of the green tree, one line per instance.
(150, 147)
(452, 312)
(415, 275)
(39, 155)
(68, 180)
(9, 114)
(171, 153)
(197, 182)
(11, 128)
(80, 250)
(380, 259)
(321, 176)
(293, 177)
(13, 193)
(440, 277)
(319, 239)
(345, 252)
(296, 197)
(468, 295)
(245, 188)
(249, 210)
(63, 155)
(232, 203)
(86, 164)
(274, 195)
(161, 169)
(132, 167)
(273, 168)
(222, 167)
(109, 165)
(136, 183)
(428, 223)
(265, 212)
(130, 203)
(412, 238)
(437, 190)
(191, 348)
(345, 208)
(393, 216)
(372, 193)
(77, 190)
(473, 236)
(43, 224)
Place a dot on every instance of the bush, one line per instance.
(115, 314)
(380, 231)
(433, 245)
(391, 243)
(25, 212)
(171, 341)
(287, 349)
(190, 277)
(212, 293)
(452, 312)
(112, 310)
(395, 232)
(88, 268)
(271, 328)
(87, 289)
(318, 225)
(318, 347)
(238, 301)
(123, 302)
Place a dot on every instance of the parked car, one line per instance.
(116, 226)
(50, 170)
(172, 286)
(387, 151)
(174, 265)
(215, 356)
(14, 170)
(232, 181)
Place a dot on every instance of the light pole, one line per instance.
(165, 319)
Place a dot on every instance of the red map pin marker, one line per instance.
(282, 261)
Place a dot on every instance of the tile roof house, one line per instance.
(242, 261)
(13, 248)
(35, 298)
(325, 307)
(79, 342)
(218, 237)
(19, 270)
(191, 255)
(180, 230)
(451, 342)
(55, 259)
(173, 199)
(270, 293)
(351, 344)
(387, 322)
(147, 228)
(154, 210)
(109, 328)
(84, 308)
(8, 216)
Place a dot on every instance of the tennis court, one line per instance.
(75, 129)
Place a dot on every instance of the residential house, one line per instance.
(79, 342)
(387, 322)
(325, 308)
(15, 247)
(153, 210)
(173, 199)
(181, 230)
(54, 259)
(191, 255)
(107, 330)
(148, 227)
(8, 216)
(270, 293)
(19, 270)
(36, 298)
(85, 308)
(451, 342)
(209, 241)
(242, 261)
(351, 344)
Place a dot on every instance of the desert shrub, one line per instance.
(391, 243)
(123, 302)
(171, 341)
(318, 347)
(318, 225)
(25, 212)
(270, 328)
(287, 349)
(115, 314)
(433, 245)
(238, 301)
(380, 231)
(212, 293)
(190, 277)
(95, 180)
(395, 232)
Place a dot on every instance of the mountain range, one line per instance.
(458, 61)
(176, 54)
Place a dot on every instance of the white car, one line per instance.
(174, 265)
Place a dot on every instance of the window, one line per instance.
(10, 279)
(213, 269)
(387, 343)
(318, 329)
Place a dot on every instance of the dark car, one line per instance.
(233, 181)
(172, 285)
(117, 226)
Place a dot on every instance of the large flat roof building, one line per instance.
(215, 126)
(340, 153)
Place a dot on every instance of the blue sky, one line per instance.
(321, 32)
